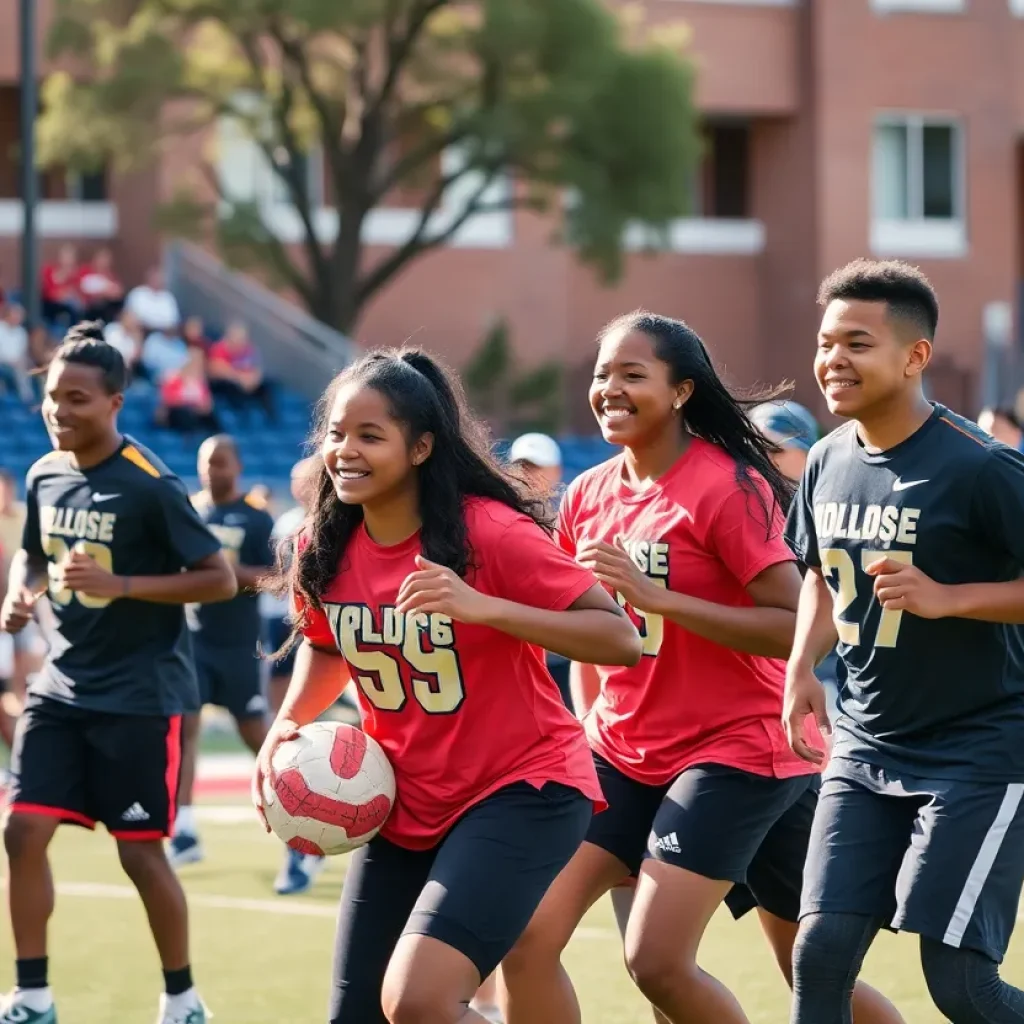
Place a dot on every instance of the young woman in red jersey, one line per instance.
(432, 577)
(706, 801)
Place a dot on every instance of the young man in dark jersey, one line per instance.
(909, 519)
(226, 634)
(111, 537)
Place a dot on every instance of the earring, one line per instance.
(677, 406)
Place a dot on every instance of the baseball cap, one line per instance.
(787, 424)
(536, 449)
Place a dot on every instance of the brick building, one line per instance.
(835, 128)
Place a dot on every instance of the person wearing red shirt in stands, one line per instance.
(101, 289)
(236, 371)
(62, 301)
(433, 578)
(706, 801)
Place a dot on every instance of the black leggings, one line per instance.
(476, 891)
(830, 950)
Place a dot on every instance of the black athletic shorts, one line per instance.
(231, 678)
(935, 857)
(275, 632)
(85, 767)
(475, 891)
(718, 822)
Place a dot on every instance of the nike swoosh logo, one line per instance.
(902, 485)
(104, 497)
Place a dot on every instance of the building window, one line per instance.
(246, 175)
(722, 188)
(1017, 7)
(917, 170)
(917, 184)
(87, 188)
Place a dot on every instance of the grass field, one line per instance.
(260, 959)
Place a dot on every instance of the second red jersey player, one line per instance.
(429, 573)
(706, 801)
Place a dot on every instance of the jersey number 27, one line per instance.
(838, 563)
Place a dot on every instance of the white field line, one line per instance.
(281, 907)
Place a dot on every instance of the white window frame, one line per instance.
(919, 6)
(917, 235)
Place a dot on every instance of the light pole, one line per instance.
(29, 178)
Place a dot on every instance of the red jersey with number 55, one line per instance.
(461, 710)
(689, 701)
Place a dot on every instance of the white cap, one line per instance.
(536, 449)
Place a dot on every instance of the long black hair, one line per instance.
(424, 398)
(713, 412)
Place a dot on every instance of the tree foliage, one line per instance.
(537, 99)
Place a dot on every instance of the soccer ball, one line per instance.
(334, 789)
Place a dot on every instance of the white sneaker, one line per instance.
(187, 1008)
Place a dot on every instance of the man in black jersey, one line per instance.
(112, 539)
(226, 635)
(910, 520)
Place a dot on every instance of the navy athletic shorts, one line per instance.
(939, 858)
(275, 632)
(85, 767)
(231, 678)
(715, 821)
(475, 891)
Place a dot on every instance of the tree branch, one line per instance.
(276, 251)
(420, 242)
(399, 49)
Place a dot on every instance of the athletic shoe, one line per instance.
(184, 849)
(297, 873)
(13, 1010)
(187, 1008)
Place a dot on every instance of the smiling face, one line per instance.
(366, 451)
(865, 359)
(632, 394)
(78, 411)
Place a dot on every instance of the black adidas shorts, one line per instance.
(85, 767)
(231, 678)
(475, 891)
(718, 822)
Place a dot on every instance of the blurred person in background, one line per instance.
(41, 346)
(154, 305)
(186, 403)
(194, 334)
(62, 301)
(298, 870)
(164, 354)
(236, 371)
(538, 458)
(101, 290)
(14, 355)
(1002, 423)
(225, 635)
(126, 335)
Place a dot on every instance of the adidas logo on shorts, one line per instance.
(668, 844)
(135, 813)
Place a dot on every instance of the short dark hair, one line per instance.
(1005, 412)
(85, 345)
(904, 289)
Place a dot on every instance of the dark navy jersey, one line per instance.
(243, 529)
(940, 698)
(132, 516)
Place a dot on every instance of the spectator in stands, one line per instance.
(186, 404)
(14, 356)
(125, 334)
(539, 459)
(156, 308)
(41, 346)
(1003, 424)
(162, 354)
(194, 333)
(62, 300)
(236, 372)
(102, 291)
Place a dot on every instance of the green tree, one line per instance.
(556, 97)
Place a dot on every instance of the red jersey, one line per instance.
(689, 701)
(461, 710)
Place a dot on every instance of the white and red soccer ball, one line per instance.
(334, 789)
